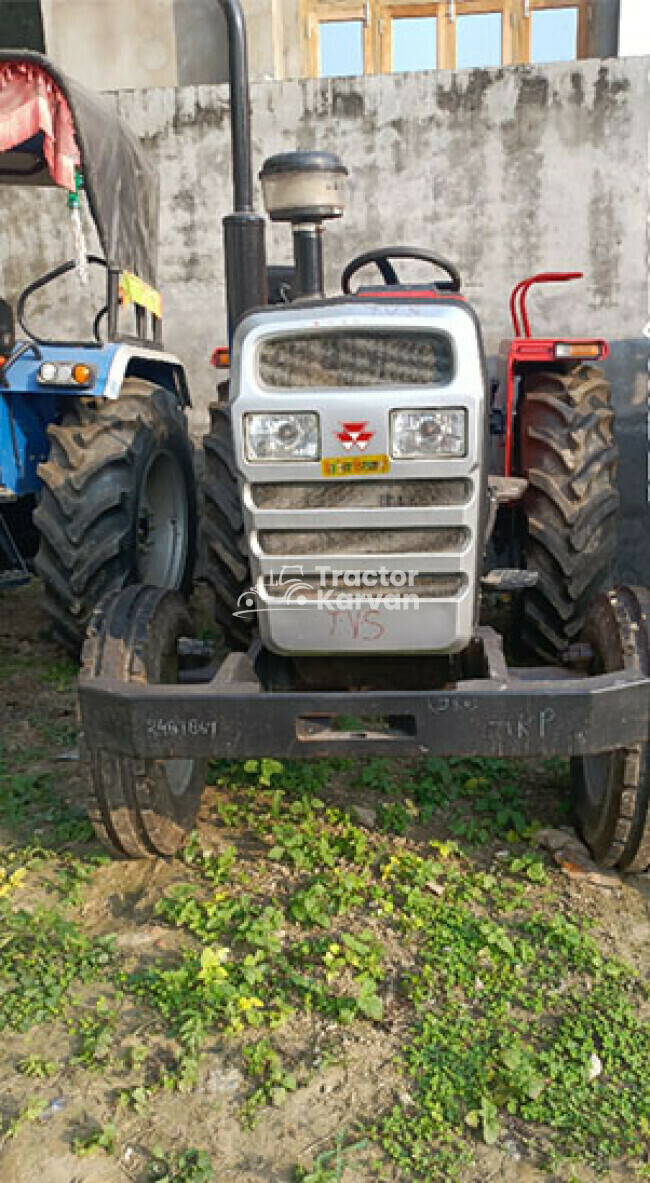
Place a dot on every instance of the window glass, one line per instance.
(341, 48)
(478, 40)
(413, 40)
(554, 35)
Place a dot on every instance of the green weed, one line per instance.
(102, 1138)
(42, 956)
(38, 1067)
(185, 1166)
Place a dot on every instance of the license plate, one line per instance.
(346, 466)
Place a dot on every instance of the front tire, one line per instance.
(140, 808)
(568, 454)
(225, 551)
(611, 790)
(118, 504)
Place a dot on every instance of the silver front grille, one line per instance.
(364, 542)
(374, 494)
(355, 359)
(428, 587)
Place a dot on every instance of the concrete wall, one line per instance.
(109, 45)
(508, 172)
(202, 44)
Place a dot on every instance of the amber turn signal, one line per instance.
(81, 374)
(585, 350)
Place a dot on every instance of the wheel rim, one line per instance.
(595, 771)
(162, 523)
(179, 775)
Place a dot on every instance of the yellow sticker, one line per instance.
(342, 466)
(134, 290)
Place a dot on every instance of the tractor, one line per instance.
(96, 466)
(369, 493)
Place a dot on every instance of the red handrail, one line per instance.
(519, 294)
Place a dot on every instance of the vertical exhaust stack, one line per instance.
(245, 251)
(305, 188)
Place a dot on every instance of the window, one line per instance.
(478, 40)
(351, 37)
(341, 48)
(413, 43)
(554, 35)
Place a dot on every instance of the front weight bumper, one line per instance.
(515, 713)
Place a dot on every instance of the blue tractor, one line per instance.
(96, 467)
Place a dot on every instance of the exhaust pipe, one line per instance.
(244, 240)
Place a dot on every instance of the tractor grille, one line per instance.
(304, 527)
(356, 359)
(361, 494)
(430, 587)
(364, 542)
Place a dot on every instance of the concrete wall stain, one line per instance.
(533, 91)
(610, 89)
(463, 94)
(605, 236)
(577, 95)
(348, 104)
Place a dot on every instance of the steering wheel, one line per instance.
(62, 269)
(382, 259)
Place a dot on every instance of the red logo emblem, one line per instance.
(354, 435)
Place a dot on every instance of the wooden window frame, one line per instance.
(540, 5)
(486, 8)
(376, 17)
(397, 11)
(316, 14)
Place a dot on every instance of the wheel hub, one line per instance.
(162, 523)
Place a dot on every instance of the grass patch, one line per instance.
(297, 928)
(511, 1003)
(30, 800)
(43, 957)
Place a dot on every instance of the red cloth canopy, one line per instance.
(31, 103)
(81, 129)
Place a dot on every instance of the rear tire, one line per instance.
(140, 808)
(567, 452)
(118, 504)
(611, 791)
(225, 552)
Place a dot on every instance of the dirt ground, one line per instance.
(65, 1083)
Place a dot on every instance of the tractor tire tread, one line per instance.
(569, 457)
(625, 840)
(130, 812)
(86, 513)
(225, 559)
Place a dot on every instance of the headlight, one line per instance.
(282, 437)
(418, 434)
